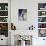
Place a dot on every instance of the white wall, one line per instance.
(32, 14)
(31, 10)
(31, 7)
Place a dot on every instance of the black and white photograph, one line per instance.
(41, 6)
(22, 14)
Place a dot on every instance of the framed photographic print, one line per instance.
(42, 32)
(4, 29)
(22, 14)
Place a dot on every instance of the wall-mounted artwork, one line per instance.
(3, 13)
(42, 6)
(22, 14)
(41, 25)
(3, 6)
(41, 19)
(4, 29)
(42, 32)
(3, 19)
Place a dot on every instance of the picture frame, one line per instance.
(22, 14)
